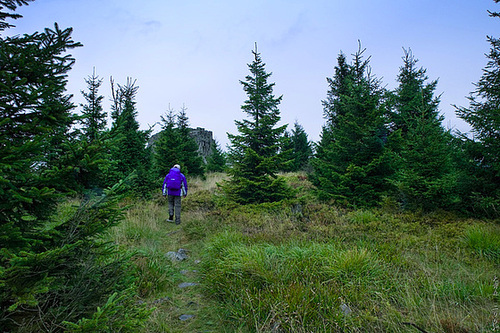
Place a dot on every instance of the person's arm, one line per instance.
(185, 185)
(164, 187)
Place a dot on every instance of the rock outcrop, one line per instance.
(204, 139)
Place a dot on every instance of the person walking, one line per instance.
(175, 187)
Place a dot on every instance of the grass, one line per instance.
(305, 266)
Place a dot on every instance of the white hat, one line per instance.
(177, 166)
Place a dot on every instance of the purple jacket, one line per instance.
(179, 192)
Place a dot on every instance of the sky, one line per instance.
(194, 53)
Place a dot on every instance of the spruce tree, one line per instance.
(254, 152)
(129, 153)
(53, 270)
(287, 153)
(424, 177)
(89, 151)
(481, 187)
(301, 146)
(352, 164)
(10, 5)
(165, 150)
(93, 116)
(34, 67)
(189, 158)
(216, 161)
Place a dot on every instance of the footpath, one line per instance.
(185, 306)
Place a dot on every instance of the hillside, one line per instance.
(306, 266)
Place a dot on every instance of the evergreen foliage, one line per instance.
(94, 118)
(175, 145)
(302, 149)
(352, 162)
(425, 176)
(10, 5)
(287, 152)
(296, 149)
(190, 159)
(482, 184)
(165, 153)
(254, 153)
(216, 161)
(129, 153)
(89, 151)
(52, 268)
(34, 67)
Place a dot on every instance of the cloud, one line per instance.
(149, 27)
(292, 31)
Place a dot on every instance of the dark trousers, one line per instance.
(174, 205)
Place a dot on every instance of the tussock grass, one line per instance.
(485, 240)
(307, 266)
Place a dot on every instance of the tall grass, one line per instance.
(306, 266)
(485, 240)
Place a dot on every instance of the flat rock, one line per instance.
(185, 317)
(180, 255)
(187, 284)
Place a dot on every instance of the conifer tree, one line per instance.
(351, 164)
(216, 161)
(287, 153)
(10, 5)
(89, 151)
(482, 186)
(94, 118)
(128, 152)
(165, 151)
(254, 152)
(296, 149)
(190, 158)
(175, 145)
(301, 146)
(35, 67)
(53, 271)
(425, 177)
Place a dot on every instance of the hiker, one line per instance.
(175, 187)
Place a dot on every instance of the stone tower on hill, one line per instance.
(203, 138)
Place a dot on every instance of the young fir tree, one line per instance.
(301, 146)
(216, 161)
(93, 116)
(352, 164)
(287, 153)
(52, 270)
(129, 153)
(189, 158)
(482, 186)
(165, 151)
(89, 152)
(424, 177)
(296, 149)
(254, 153)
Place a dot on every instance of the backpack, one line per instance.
(174, 181)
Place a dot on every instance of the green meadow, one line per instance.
(308, 266)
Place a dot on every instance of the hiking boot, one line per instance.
(177, 222)
(171, 218)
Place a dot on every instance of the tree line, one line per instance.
(376, 147)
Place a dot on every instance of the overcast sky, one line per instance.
(194, 53)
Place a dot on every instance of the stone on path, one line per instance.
(185, 317)
(187, 284)
(346, 310)
(180, 255)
